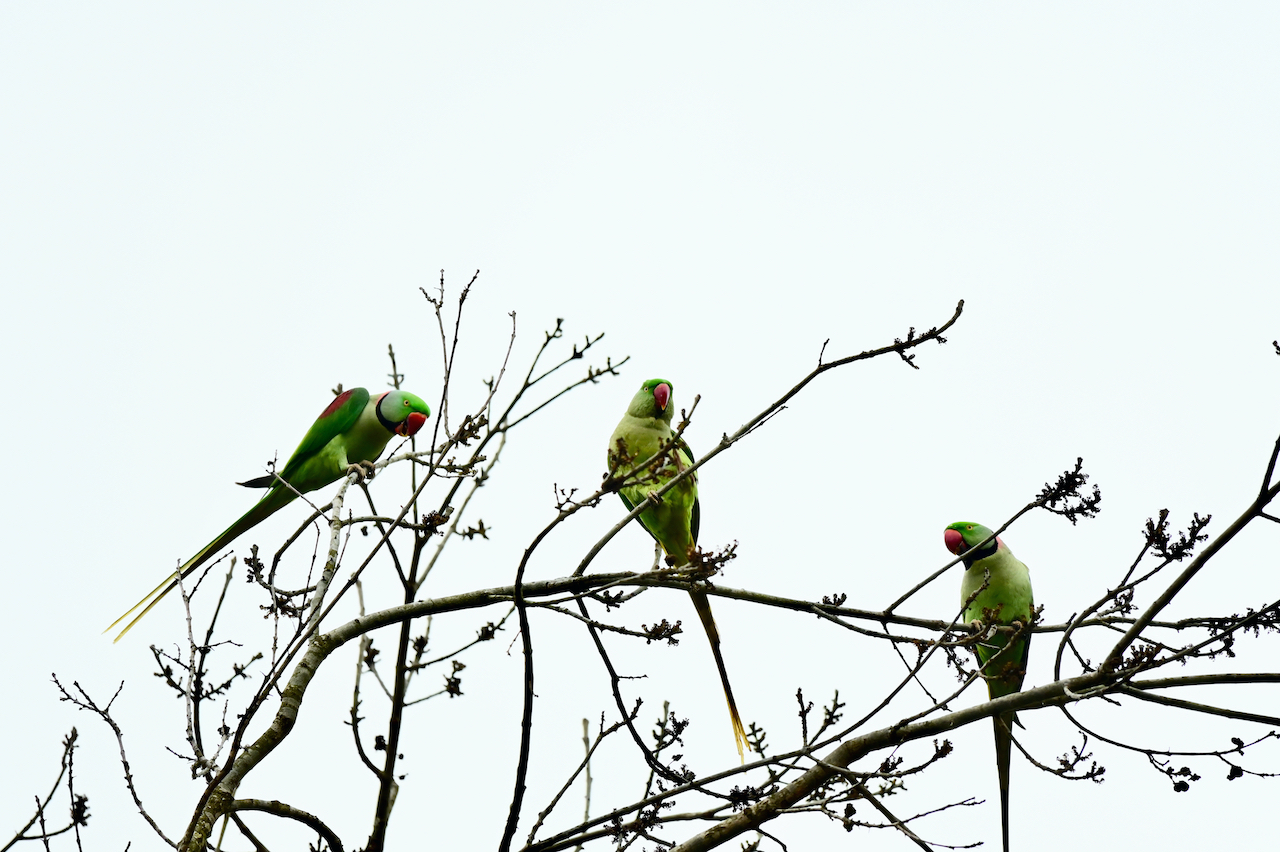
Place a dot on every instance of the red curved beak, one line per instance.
(411, 424)
(662, 395)
(954, 541)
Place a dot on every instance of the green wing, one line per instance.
(695, 517)
(1005, 675)
(340, 416)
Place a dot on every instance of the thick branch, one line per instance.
(280, 809)
(1053, 694)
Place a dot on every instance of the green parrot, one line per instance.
(353, 430)
(673, 523)
(1006, 600)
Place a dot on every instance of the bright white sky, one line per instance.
(209, 217)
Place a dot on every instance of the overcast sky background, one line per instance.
(210, 217)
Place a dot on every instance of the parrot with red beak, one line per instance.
(353, 430)
(1002, 585)
(673, 522)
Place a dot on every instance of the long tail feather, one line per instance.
(1004, 743)
(263, 509)
(167, 586)
(167, 581)
(703, 606)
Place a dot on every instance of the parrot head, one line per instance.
(653, 400)
(402, 413)
(962, 536)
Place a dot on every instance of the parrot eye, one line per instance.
(406, 403)
(970, 527)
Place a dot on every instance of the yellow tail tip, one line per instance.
(152, 598)
(740, 738)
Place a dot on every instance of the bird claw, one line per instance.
(362, 469)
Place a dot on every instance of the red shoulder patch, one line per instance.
(337, 403)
